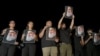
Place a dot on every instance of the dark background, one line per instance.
(86, 13)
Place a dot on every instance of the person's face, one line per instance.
(12, 24)
(49, 23)
(80, 28)
(69, 9)
(63, 26)
(89, 32)
(30, 24)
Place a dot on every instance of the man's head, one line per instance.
(63, 26)
(12, 23)
(89, 31)
(69, 9)
(49, 23)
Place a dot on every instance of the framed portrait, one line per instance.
(96, 39)
(29, 38)
(68, 12)
(51, 33)
(80, 30)
(10, 37)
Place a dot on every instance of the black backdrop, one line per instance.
(40, 11)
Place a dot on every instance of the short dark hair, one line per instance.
(11, 21)
(28, 23)
(66, 7)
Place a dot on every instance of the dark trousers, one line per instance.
(97, 50)
(29, 50)
(90, 51)
(79, 52)
(7, 49)
(0, 50)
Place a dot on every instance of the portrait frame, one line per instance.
(7, 36)
(96, 39)
(51, 33)
(26, 36)
(67, 14)
(80, 31)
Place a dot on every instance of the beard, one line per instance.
(69, 14)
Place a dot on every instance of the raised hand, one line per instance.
(56, 40)
(73, 16)
(91, 37)
(45, 27)
(16, 43)
(64, 14)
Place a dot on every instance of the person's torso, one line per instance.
(90, 43)
(29, 36)
(77, 44)
(65, 36)
(46, 42)
(10, 36)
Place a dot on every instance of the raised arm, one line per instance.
(72, 22)
(82, 40)
(60, 21)
(42, 32)
(88, 39)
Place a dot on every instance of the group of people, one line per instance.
(50, 37)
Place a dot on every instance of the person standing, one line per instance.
(65, 40)
(29, 38)
(79, 41)
(9, 40)
(49, 40)
(89, 43)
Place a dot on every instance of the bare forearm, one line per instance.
(87, 41)
(41, 33)
(82, 41)
(72, 23)
(36, 38)
(22, 38)
(60, 21)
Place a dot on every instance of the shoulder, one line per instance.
(5, 29)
